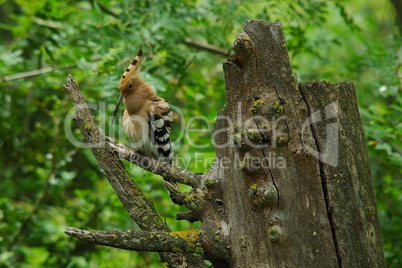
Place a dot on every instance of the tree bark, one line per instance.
(291, 186)
(297, 189)
(176, 242)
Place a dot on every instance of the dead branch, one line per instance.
(175, 242)
(147, 163)
(140, 209)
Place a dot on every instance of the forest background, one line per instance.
(48, 182)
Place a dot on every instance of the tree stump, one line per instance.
(294, 169)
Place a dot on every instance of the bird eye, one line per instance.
(130, 86)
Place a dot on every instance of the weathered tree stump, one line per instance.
(298, 190)
(291, 186)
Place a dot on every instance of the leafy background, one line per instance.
(48, 183)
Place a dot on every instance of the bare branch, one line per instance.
(175, 242)
(140, 209)
(190, 216)
(176, 196)
(110, 164)
(37, 72)
(103, 8)
(26, 74)
(170, 172)
(207, 47)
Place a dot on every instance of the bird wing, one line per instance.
(161, 118)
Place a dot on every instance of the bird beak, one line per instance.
(117, 106)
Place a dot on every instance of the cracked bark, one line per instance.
(291, 186)
(313, 211)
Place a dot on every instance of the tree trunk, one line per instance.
(398, 10)
(294, 171)
(291, 186)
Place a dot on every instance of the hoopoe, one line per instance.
(147, 118)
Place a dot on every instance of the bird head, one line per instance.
(128, 79)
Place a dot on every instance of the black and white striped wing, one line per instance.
(160, 126)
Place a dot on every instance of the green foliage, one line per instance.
(48, 184)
